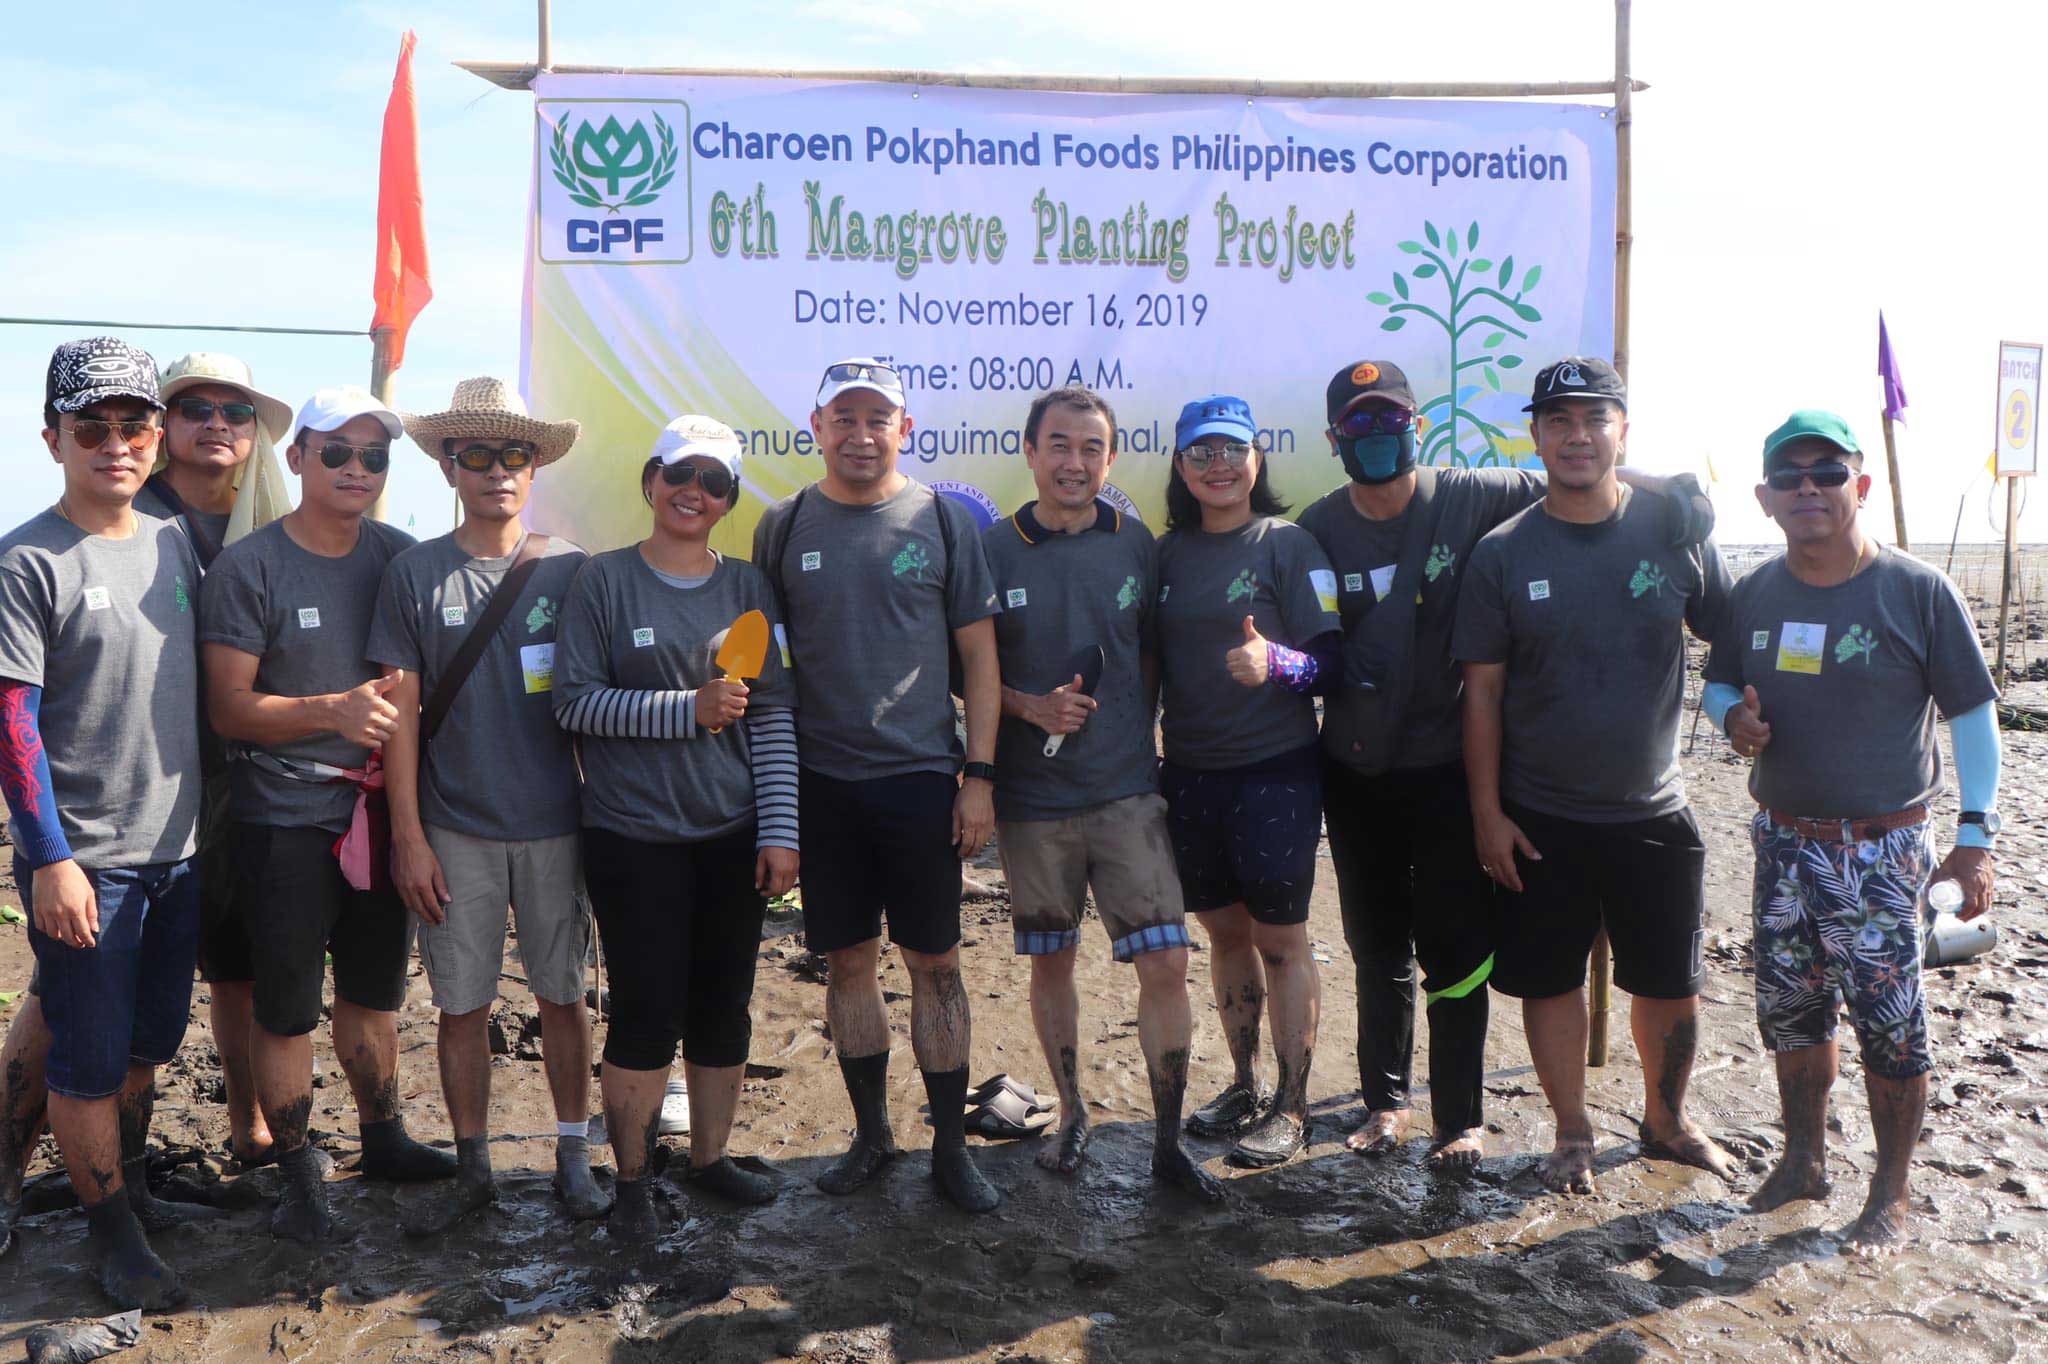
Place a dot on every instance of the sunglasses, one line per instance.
(1788, 479)
(376, 458)
(839, 374)
(91, 433)
(478, 459)
(200, 410)
(1368, 421)
(1200, 457)
(714, 481)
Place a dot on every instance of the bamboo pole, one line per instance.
(380, 389)
(2005, 577)
(546, 53)
(1955, 535)
(1891, 459)
(519, 76)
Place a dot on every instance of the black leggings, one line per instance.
(1410, 888)
(681, 928)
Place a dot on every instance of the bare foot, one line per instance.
(1458, 1152)
(1689, 1146)
(1380, 1133)
(1064, 1157)
(1791, 1181)
(1569, 1166)
(1879, 1231)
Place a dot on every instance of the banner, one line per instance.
(2019, 407)
(709, 244)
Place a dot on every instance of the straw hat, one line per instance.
(209, 367)
(490, 409)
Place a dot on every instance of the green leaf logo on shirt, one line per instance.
(184, 602)
(1649, 578)
(912, 559)
(541, 616)
(1442, 559)
(1859, 643)
(1127, 595)
(1243, 587)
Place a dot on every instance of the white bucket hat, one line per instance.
(211, 367)
(491, 409)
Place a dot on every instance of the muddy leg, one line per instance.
(1056, 1012)
(1556, 1028)
(24, 1104)
(1239, 980)
(1805, 1075)
(135, 1105)
(1897, 1108)
(1667, 1037)
(1165, 1024)
(233, 1011)
(860, 1030)
(366, 1040)
(940, 1033)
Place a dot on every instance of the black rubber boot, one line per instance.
(301, 1213)
(574, 1184)
(130, 1274)
(389, 1152)
(633, 1218)
(874, 1144)
(952, 1167)
(732, 1183)
(157, 1214)
(471, 1190)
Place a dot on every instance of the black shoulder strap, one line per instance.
(1379, 655)
(778, 545)
(202, 543)
(479, 637)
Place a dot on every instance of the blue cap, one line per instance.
(1218, 414)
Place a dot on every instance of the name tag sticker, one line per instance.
(782, 644)
(452, 615)
(97, 599)
(1382, 581)
(643, 638)
(813, 561)
(1325, 584)
(309, 617)
(537, 665)
(1539, 590)
(1760, 639)
(1800, 645)
(1164, 589)
(1014, 598)
(1354, 582)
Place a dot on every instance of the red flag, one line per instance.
(400, 285)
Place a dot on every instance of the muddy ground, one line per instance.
(1333, 1256)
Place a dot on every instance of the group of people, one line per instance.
(260, 748)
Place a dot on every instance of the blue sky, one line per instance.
(1794, 173)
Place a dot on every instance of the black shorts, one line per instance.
(1643, 880)
(223, 941)
(681, 928)
(1247, 834)
(879, 846)
(297, 910)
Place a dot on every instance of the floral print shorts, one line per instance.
(1840, 923)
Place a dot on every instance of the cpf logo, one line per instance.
(614, 184)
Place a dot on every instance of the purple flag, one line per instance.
(1888, 370)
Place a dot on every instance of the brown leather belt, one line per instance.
(1848, 830)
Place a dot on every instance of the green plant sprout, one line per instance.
(1476, 292)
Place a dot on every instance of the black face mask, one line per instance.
(1378, 458)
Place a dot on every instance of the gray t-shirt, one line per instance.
(107, 629)
(212, 526)
(624, 627)
(499, 766)
(1061, 593)
(1849, 678)
(306, 618)
(1589, 620)
(1363, 552)
(1271, 570)
(872, 602)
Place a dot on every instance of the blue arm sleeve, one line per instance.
(1718, 699)
(1307, 670)
(25, 774)
(1974, 734)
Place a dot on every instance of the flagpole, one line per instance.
(1891, 459)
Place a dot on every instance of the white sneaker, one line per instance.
(675, 1110)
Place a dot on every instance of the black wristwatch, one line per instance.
(1987, 819)
(982, 771)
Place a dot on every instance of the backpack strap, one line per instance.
(479, 637)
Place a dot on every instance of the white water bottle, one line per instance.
(1945, 896)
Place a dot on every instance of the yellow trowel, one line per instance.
(745, 651)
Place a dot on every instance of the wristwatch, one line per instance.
(1987, 819)
(981, 771)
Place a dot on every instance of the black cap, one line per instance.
(1577, 376)
(98, 368)
(1366, 379)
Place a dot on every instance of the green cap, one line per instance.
(1810, 421)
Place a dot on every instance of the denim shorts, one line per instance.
(125, 999)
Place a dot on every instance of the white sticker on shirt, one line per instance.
(1325, 584)
(643, 638)
(1164, 588)
(537, 665)
(1014, 598)
(1800, 645)
(1382, 581)
(782, 644)
(813, 561)
(1539, 590)
(309, 617)
(452, 615)
(97, 599)
(1354, 582)
(1760, 639)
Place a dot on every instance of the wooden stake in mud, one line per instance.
(2012, 526)
(1891, 460)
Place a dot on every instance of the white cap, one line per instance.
(692, 434)
(333, 408)
(862, 371)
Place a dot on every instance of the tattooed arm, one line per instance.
(61, 894)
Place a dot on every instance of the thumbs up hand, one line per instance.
(363, 715)
(1747, 732)
(1248, 663)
